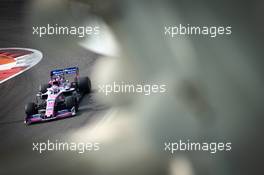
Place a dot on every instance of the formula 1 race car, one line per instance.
(59, 98)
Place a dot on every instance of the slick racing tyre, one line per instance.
(30, 109)
(70, 102)
(84, 85)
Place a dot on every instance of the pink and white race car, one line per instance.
(59, 98)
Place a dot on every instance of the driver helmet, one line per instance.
(55, 89)
(57, 81)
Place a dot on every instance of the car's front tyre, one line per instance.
(71, 102)
(30, 108)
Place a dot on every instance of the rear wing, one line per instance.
(72, 70)
(69, 70)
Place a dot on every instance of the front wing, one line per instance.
(37, 118)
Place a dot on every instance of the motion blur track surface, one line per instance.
(16, 138)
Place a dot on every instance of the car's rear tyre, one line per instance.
(43, 88)
(84, 85)
(71, 102)
(30, 108)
